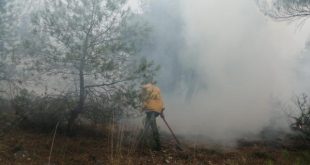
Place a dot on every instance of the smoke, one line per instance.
(224, 64)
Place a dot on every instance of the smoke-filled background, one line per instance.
(227, 71)
(234, 76)
(225, 67)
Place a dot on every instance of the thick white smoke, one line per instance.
(244, 58)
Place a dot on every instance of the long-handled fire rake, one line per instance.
(178, 145)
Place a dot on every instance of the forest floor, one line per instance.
(112, 145)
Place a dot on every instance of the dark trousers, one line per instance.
(150, 122)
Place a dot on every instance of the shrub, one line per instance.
(103, 109)
(301, 121)
(41, 112)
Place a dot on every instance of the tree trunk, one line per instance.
(79, 108)
(75, 113)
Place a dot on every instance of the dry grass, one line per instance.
(113, 144)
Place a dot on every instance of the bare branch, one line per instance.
(108, 84)
(285, 10)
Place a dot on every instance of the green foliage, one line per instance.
(22, 103)
(3, 33)
(92, 43)
(147, 70)
(299, 157)
(96, 41)
(114, 106)
(98, 34)
(3, 103)
(285, 154)
(269, 162)
(41, 112)
(10, 43)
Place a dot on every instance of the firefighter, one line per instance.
(153, 106)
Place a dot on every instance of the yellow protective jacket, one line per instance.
(152, 100)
